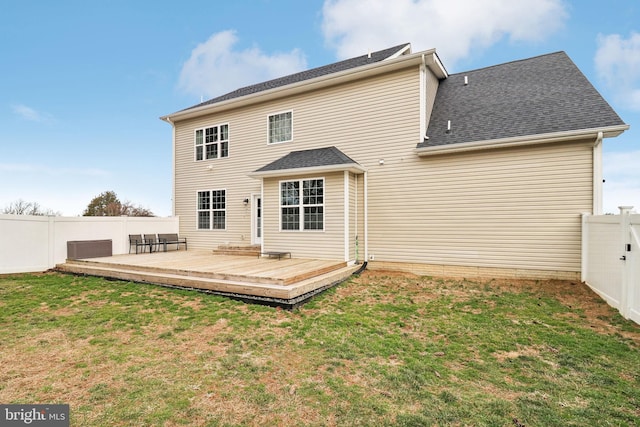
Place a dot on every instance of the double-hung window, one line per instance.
(302, 204)
(212, 142)
(280, 127)
(212, 209)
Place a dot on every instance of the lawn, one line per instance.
(380, 349)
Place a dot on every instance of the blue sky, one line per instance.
(84, 82)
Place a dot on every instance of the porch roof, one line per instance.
(328, 159)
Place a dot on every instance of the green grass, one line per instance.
(378, 350)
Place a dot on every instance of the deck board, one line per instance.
(247, 275)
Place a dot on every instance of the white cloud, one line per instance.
(29, 113)
(622, 180)
(214, 68)
(453, 27)
(618, 65)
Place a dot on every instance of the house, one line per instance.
(387, 158)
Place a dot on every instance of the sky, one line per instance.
(83, 83)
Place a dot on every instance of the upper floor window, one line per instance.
(280, 127)
(212, 142)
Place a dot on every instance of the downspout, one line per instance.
(597, 175)
(366, 216)
(173, 166)
(262, 212)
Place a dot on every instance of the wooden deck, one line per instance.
(279, 280)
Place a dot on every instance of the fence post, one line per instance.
(625, 234)
(51, 241)
(584, 263)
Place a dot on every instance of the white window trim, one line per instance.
(275, 114)
(203, 129)
(211, 210)
(301, 206)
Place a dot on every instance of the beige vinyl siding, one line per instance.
(515, 208)
(431, 91)
(506, 208)
(365, 119)
(325, 244)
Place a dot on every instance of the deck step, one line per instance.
(252, 250)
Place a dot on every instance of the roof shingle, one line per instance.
(544, 94)
(336, 67)
(317, 157)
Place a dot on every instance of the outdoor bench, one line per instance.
(135, 240)
(172, 239)
(275, 254)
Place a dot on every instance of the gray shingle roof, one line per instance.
(308, 74)
(327, 156)
(544, 94)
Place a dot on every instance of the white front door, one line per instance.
(256, 220)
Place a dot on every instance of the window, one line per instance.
(302, 211)
(280, 127)
(212, 142)
(212, 211)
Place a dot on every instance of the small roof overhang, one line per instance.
(314, 161)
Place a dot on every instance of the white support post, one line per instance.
(346, 216)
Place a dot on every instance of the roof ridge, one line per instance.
(510, 62)
(357, 61)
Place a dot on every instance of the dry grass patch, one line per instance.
(382, 349)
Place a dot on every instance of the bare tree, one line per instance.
(20, 207)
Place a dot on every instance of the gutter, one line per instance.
(431, 60)
(349, 167)
(519, 141)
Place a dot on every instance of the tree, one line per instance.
(20, 207)
(108, 204)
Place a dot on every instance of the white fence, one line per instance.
(38, 243)
(611, 259)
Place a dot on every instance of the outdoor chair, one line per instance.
(151, 241)
(172, 239)
(136, 240)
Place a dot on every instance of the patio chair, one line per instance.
(136, 240)
(172, 239)
(152, 241)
